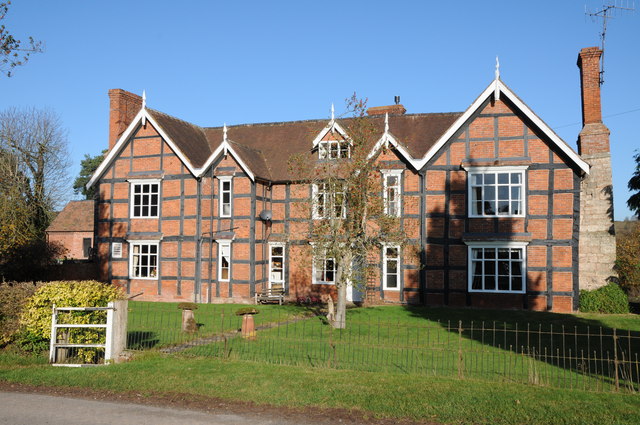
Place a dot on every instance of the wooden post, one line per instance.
(52, 346)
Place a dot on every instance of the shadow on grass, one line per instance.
(140, 340)
(572, 343)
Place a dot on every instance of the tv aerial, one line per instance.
(605, 13)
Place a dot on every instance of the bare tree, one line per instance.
(35, 161)
(347, 207)
(12, 51)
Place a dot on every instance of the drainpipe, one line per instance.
(423, 238)
(197, 295)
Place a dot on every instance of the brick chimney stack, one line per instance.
(376, 111)
(597, 243)
(589, 64)
(123, 108)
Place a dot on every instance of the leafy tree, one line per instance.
(628, 259)
(37, 142)
(349, 221)
(33, 182)
(15, 230)
(634, 185)
(12, 51)
(87, 167)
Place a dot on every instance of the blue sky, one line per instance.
(239, 62)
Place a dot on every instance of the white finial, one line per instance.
(224, 132)
(144, 106)
(332, 112)
(386, 122)
(496, 90)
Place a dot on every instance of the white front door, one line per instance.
(354, 294)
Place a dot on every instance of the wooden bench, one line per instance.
(269, 295)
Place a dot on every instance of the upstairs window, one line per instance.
(392, 191)
(328, 201)
(496, 192)
(225, 196)
(334, 149)
(145, 196)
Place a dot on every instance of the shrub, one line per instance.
(36, 315)
(31, 261)
(609, 299)
(13, 296)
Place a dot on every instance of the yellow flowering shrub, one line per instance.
(36, 315)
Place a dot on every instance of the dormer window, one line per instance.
(334, 149)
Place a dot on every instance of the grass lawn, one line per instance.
(157, 325)
(567, 351)
(380, 394)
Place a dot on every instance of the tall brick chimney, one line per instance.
(123, 108)
(597, 244)
(396, 109)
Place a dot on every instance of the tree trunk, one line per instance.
(340, 319)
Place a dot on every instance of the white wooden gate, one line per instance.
(115, 338)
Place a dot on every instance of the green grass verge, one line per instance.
(378, 394)
(514, 346)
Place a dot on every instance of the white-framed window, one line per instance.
(328, 201)
(324, 269)
(276, 264)
(225, 195)
(143, 259)
(145, 198)
(498, 267)
(391, 267)
(496, 191)
(224, 261)
(334, 149)
(392, 191)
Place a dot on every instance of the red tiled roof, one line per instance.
(266, 148)
(77, 216)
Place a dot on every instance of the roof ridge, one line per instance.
(418, 114)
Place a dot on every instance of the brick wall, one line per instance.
(499, 136)
(73, 242)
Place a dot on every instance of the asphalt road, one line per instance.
(35, 409)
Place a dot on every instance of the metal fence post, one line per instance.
(615, 358)
(460, 360)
